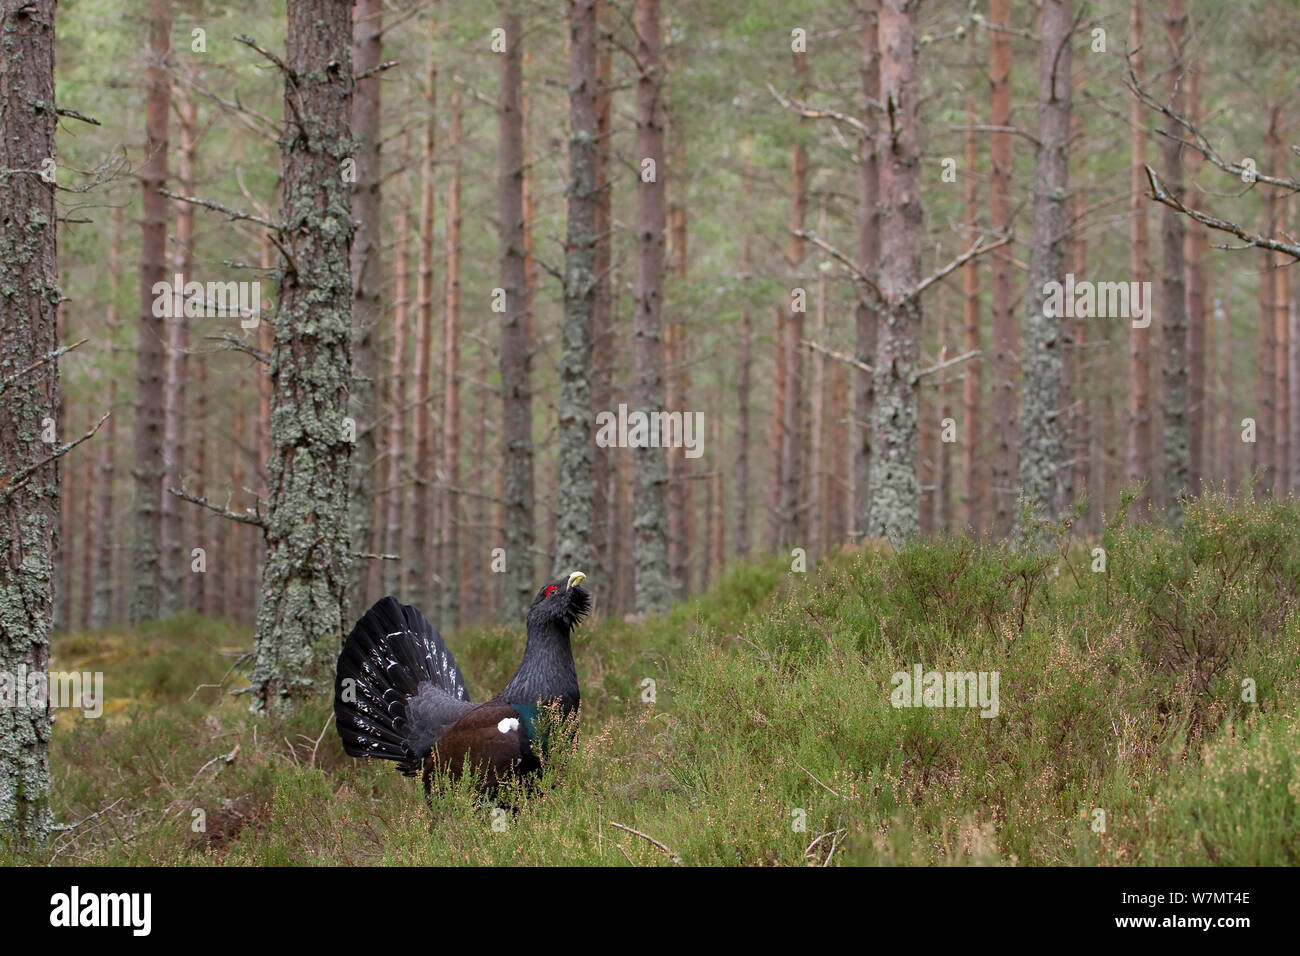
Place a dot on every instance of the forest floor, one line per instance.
(1146, 714)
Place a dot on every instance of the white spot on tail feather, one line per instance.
(508, 724)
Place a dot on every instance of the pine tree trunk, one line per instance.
(1044, 478)
(817, 511)
(101, 608)
(454, 579)
(1293, 381)
(1085, 415)
(653, 587)
(1173, 286)
(1005, 334)
(419, 587)
(146, 561)
(792, 355)
(175, 550)
(1231, 423)
(573, 510)
(1200, 421)
(232, 565)
(776, 429)
(867, 320)
(516, 346)
(28, 333)
(1281, 334)
(1139, 443)
(307, 568)
(1265, 459)
(895, 503)
(740, 495)
(974, 485)
(605, 543)
(89, 468)
(397, 395)
(367, 270)
(482, 533)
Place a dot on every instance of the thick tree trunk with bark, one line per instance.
(146, 561)
(516, 345)
(894, 510)
(29, 398)
(653, 588)
(1006, 345)
(1044, 477)
(573, 498)
(367, 270)
(604, 342)
(1173, 285)
(866, 316)
(306, 573)
(1139, 436)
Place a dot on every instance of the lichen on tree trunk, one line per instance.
(1044, 479)
(894, 509)
(573, 519)
(29, 475)
(516, 347)
(367, 268)
(305, 577)
(653, 588)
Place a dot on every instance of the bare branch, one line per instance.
(978, 249)
(64, 350)
(1198, 140)
(73, 114)
(9, 485)
(839, 356)
(248, 41)
(858, 275)
(376, 70)
(669, 853)
(803, 109)
(233, 214)
(948, 363)
(985, 128)
(1161, 195)
(238, 345)
(248, 517)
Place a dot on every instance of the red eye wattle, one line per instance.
(551, 590)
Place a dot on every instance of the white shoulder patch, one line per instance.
(508, 724)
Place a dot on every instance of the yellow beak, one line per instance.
(576, 578)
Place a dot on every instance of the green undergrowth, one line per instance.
(1146, 714)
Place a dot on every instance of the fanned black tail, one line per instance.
(393, 655)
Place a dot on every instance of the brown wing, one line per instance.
(494, 739)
